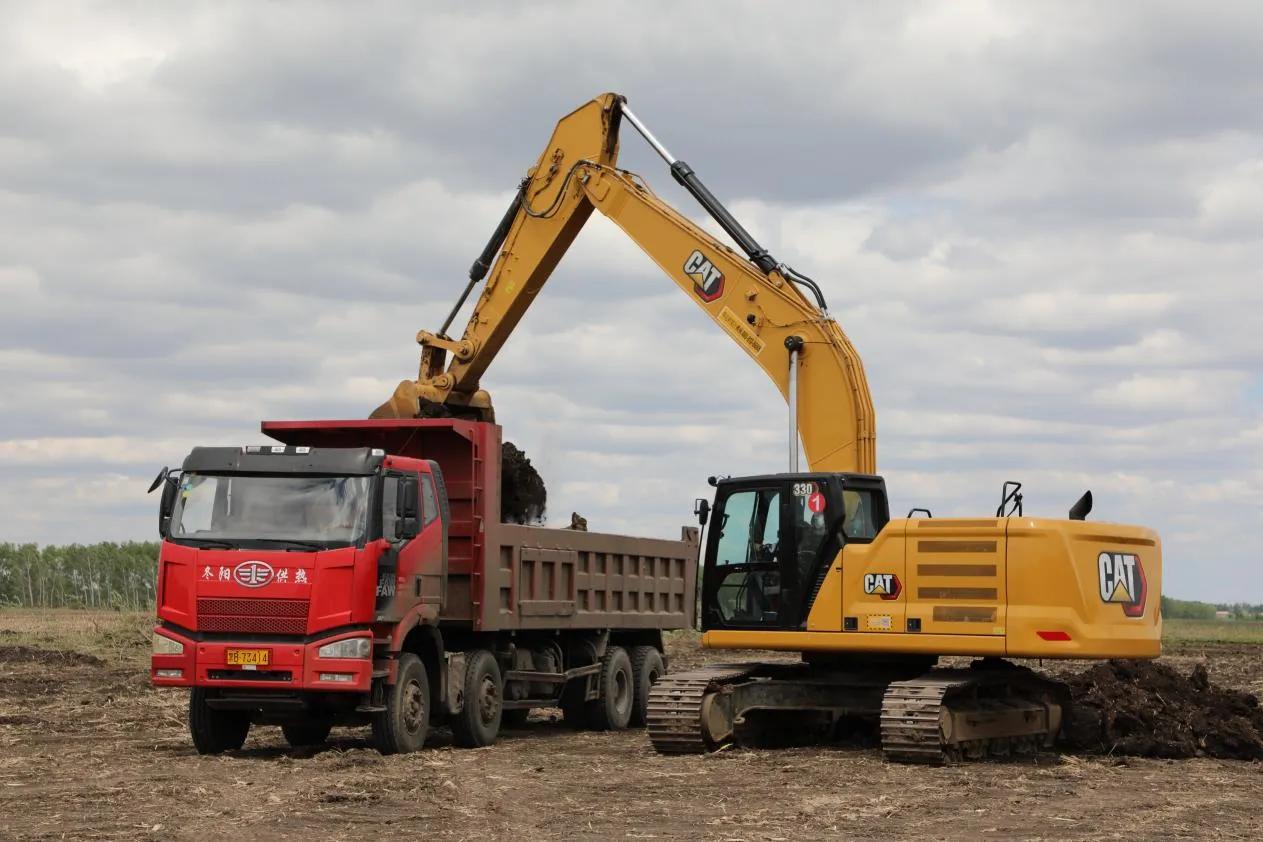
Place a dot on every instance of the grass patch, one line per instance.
(1212, 631)
(114, 635)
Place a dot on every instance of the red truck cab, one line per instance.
(278, 562)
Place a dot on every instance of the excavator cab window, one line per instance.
(863, 514)
(773, 538)
(747, 568)
(766, 540)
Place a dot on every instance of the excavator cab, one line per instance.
(773, 538)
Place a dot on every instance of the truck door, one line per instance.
(412, 569)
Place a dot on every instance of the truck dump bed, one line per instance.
(505, 576)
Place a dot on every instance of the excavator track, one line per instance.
(949, 715)
(674, 718)
(941, 716)
(911, 713)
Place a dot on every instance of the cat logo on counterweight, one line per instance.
(1122, 581)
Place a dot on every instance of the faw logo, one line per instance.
(1122, 581)
(885, 585)
(253, 574)
(708, 281)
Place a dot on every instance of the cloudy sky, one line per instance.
(1039, 223)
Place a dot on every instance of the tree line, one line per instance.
(106, 575)
(121, 577)
(1183, 609)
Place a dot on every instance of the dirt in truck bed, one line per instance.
(523, 498)
(89, 751)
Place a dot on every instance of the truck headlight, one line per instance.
(352, 647)
(163, 645)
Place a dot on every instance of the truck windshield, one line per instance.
(329, 510)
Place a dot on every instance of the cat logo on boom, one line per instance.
(708, 281)
(885, 585)
(1122, 581)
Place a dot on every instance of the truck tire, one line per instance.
(310, 732)
(478, 722)
(647, 668)
(612, 708)
(402, 727)
(215, 731)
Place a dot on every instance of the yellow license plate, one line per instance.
(248, 657)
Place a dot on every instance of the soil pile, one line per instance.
(522, 493)
(1148, 709)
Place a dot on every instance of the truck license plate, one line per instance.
(248, 657)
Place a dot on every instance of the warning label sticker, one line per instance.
(741, 331)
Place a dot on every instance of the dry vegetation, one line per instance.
(89, 751)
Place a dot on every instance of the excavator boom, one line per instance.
(753, 298)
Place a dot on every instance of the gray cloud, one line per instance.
(1039, 226)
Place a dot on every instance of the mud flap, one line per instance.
(454, 683)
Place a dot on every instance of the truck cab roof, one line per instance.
(285, 459)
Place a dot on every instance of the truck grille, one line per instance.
(254, 616)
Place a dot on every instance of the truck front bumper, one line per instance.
(291, 665)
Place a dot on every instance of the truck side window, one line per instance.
(429, 500)
(390, 495)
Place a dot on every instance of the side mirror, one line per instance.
(158, 480)
(701, 508)
(408, 516)
(166, 504)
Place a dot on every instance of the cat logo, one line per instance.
(1122, 581)
(885, 585)
(708, 281)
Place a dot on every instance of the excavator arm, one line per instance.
(757, 301)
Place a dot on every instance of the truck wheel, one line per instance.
(612, 708)
(478, 722)
(402, 727)
(647, 668)
(215, 731)
(312, 732)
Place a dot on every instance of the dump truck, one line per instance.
(358, 573)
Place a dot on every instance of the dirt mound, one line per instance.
(522, 493)
(1148, 709)
(20, 654)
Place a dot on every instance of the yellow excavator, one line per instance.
(811, 562)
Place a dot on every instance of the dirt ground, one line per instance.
(89, 751)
